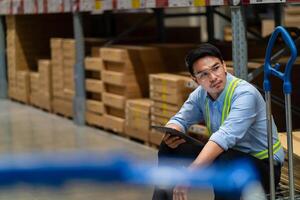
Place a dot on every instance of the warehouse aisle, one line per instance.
(26, 129)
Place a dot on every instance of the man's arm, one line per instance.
(175, 126)
(208, 154)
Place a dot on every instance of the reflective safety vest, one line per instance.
(225, 111)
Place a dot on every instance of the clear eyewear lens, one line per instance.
(207, 73)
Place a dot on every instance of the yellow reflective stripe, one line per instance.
(266, 151)
(230, 95)
(264, 154)
(207, 117)
(225, 102)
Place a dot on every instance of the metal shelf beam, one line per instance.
(239, 42)
(3, 73)
(79, 72)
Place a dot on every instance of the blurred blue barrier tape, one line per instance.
(57, 168)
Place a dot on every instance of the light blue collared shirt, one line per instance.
(244, 129)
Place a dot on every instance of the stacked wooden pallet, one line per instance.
(168, 91)
(94, 89)
(138, 119)
(40, 86)
(62, 82)
(125, 75)
(284, 172)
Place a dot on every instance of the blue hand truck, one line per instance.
(285, 76)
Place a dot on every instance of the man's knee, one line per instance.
(164, 150)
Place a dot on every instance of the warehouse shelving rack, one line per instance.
(17, 7)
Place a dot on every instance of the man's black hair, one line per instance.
(203, 50)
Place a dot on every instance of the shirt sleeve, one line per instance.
(241, 116)
(190, 113)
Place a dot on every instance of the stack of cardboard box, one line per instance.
(34, 88)
(17, 63)
(40, 86)
(12, 52)
(94, 89)
(119, 84)
(168, 91)
(45, 89)
(62, 103)
(296, 159)
(23, 87)
(138, 119)
(125, 76)
(69, 60)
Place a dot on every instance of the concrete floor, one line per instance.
(27, 129)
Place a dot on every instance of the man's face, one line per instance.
(210, 73)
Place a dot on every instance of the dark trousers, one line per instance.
(191, 151)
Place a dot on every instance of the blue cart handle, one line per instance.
(269, 70)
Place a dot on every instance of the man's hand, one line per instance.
(173, 141)
(180, 193)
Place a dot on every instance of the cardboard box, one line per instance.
(56, 43)
(162, 112)
(93, 85)
(125, 66)
(23, 86)
(267, 27)
(114, 54)
(118, 78)
(113, 123)
(94, 119)
(155, 137)
(62, 106)
(95, 52)
(45, 102)
(93, 64)
(169, 88)
(69, 63)
(166, 106)
(165, 82)
(95, 106)
(138, 113)
(68, 94)
(120, 113)
(114, 100)
(138, 122)
(143, 105)
(69, 49)
(158, 120)
(137, 133)
(133, 113)
(128, 91)
(175, 99)
(44, 67)
(34, 82)
(34, 99)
